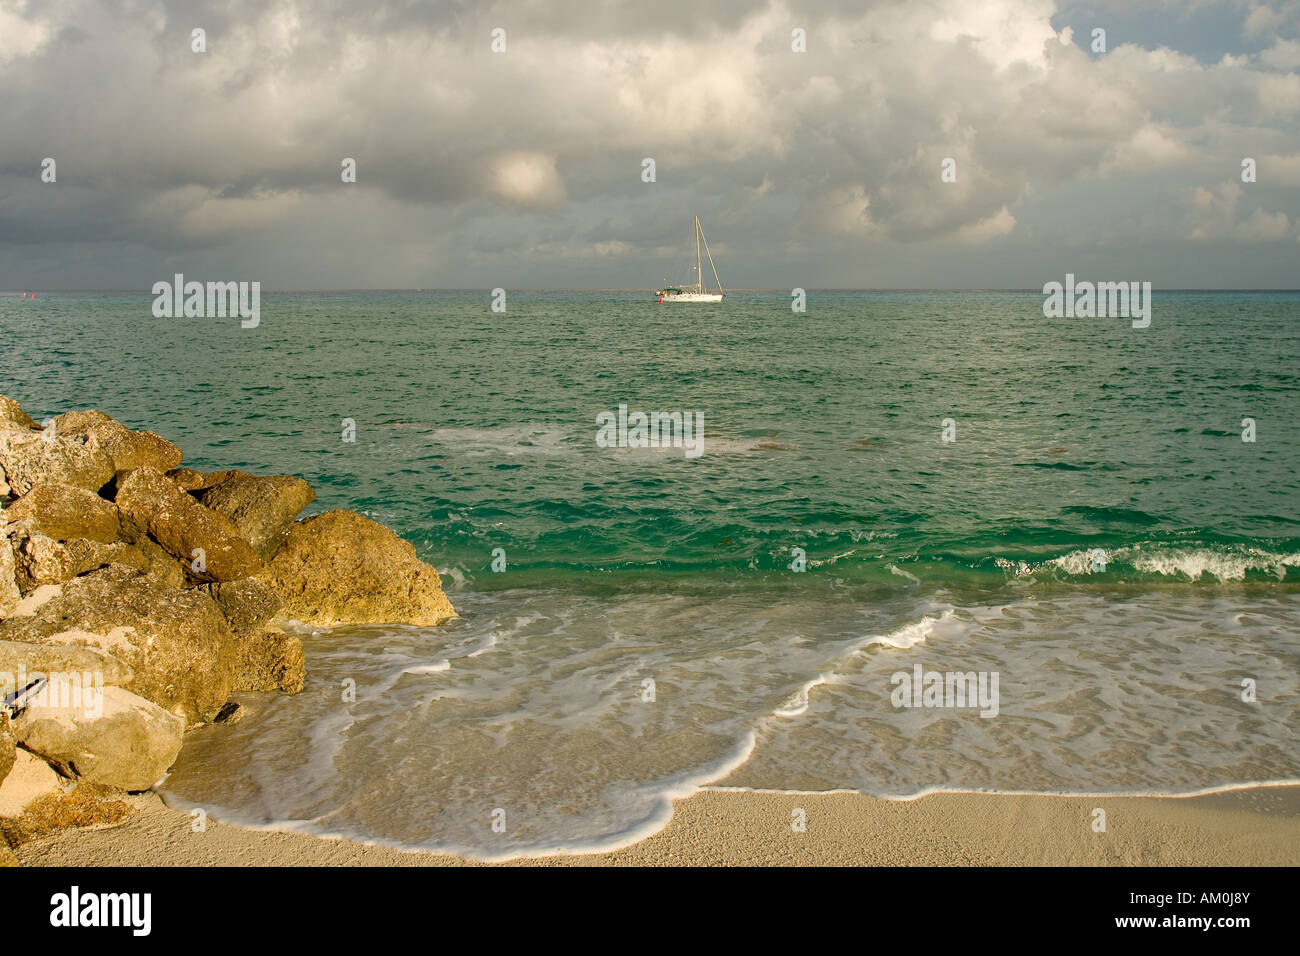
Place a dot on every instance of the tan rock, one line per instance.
(10, 596)
(39, 559)
(261, 507)
(66, 511)
(118, 740)
(11, 411)
(192, 481)
(342, 568)
(30, 779)
(176, 642)
(268, 660)
(30, 457)
(128, 449)
(156, 504)
(18, 658)
(246, 603)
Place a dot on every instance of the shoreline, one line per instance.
(1244, 826)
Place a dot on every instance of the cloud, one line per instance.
(482, 159)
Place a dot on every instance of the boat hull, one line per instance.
(690, 297)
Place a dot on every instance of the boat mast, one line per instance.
(710, 255)
(699, 276)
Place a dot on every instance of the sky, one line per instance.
(524, 167)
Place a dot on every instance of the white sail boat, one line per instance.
(694, 292)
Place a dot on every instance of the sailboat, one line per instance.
(695, 291)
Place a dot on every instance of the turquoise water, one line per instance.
(1098, 534)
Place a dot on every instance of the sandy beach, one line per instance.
(1249, 827)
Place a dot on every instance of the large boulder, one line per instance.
(30, 457)
(261, 507)
(39, 559)
(10, 596)
(156, 504)
(341, 568)
(176, 642)
(119, 740)
(18, 659)
(268, 660)
(128, 449)
(65, 511)
(246, 603)
(193, 481)
(11, 411)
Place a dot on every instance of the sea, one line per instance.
(922, 541)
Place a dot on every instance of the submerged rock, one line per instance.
(121, 740)
(128, 449)
(268, 660)
(342, 568)
(176, 642)
(261, 508)
(185, 529)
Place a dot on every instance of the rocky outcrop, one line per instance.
(261, 508)
(126, 448)
(269, 660)
(246, 603)
(31, 457)
(62, 511)
(342, 568)
(39, 559)
(177, 643)
(160, 587)
(205, 542)
(11, 413)
(117, 740)
(17, 657)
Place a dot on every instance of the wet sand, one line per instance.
(1253, 827)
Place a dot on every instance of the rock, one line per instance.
(39, 559)
(246, 603)
(156, 504)
(268, 660)
(11, 411)
(10, 596)
(262, 508)
(193, 481)
(128, 449)
(66, 511)
(176, 642)
(342, 568)
(147, 556)
(119, 740)
(8, 746)
(18, 659)
(30, 779)
(29, 457)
